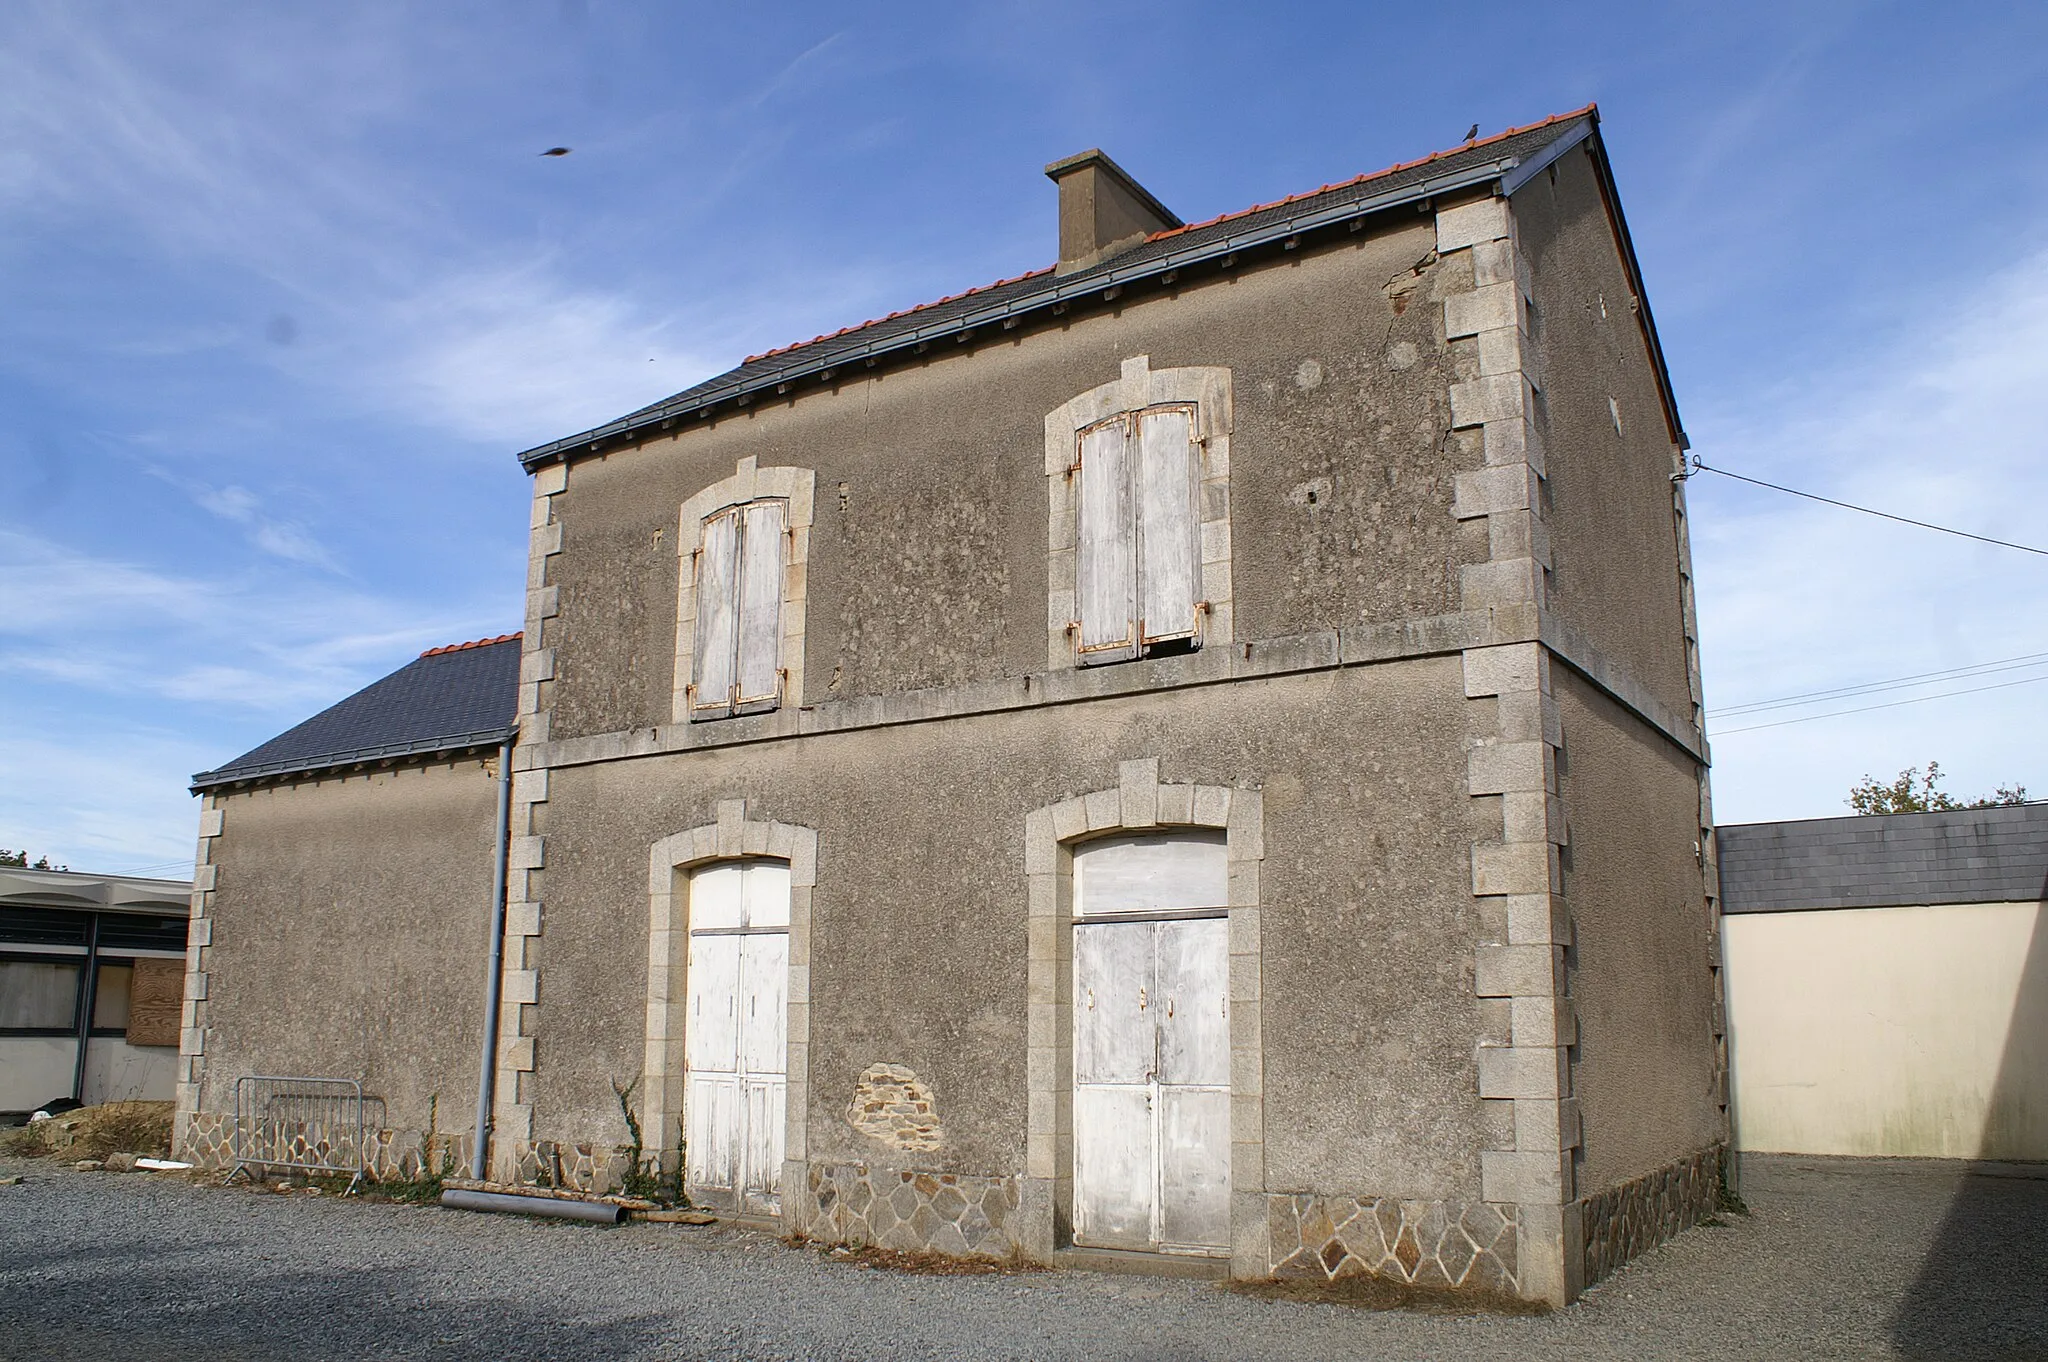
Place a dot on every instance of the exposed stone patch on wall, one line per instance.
(1429, 1243)
(943, 1212)
(892, 1104)
(1623, 1222)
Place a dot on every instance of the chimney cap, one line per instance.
(1098, 158)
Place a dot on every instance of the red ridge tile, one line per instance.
(473, 643)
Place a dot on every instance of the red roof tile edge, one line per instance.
(1380, 174)
(1171, 231)
(473, 643)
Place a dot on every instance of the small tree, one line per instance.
(1915, 793)
(18, 860)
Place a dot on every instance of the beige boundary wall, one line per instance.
(1906, 1031)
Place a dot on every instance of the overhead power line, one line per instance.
(2003, 664)
(1699, 467)
(1865, 709)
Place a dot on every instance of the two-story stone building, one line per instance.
(1194, 750)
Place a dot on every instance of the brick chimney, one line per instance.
(1103, 211)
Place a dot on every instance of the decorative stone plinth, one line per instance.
(597, 1169)
(387, 1155)
(953, 1213)
(209, 1140)
(1635, 1217)
(1426, 1243)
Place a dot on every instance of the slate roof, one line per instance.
(1504, 159)
(465, 695)
(1996, 855)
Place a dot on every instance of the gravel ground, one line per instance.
(1838, 1259)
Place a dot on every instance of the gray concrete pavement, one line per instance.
(1839, 1259)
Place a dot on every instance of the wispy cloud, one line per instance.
(281, 538)
(224, 643)
(1938, 423)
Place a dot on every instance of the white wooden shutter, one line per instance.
(1105, 562)
(760, 605)
(717, 615)
(1169, 547)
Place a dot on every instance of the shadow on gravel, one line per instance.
(1982, 1291)
(99, 1313)
(1377, 1293)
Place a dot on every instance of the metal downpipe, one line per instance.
(494, 981)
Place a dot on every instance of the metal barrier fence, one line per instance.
(309, 1125)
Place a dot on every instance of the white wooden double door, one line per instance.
(736, 1083)
(1151, 1113)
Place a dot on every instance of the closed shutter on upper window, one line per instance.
(739, 611)
(718, 571)
(1137, 545)
(1169, 549)
(760, 605)
(1105, 558)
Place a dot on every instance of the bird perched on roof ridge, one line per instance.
(1471, 134)
(556, 151)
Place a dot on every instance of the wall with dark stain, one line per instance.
(928, 553)
(351, 920)
(1608, 448)
(1640, 975)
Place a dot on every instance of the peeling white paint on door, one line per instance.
(1152, 1045)
(735, 1041)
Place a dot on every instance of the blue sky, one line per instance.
(284, 288)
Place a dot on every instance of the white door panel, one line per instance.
(1150, 872)
(1194, 1168)
(736, 1033)
(1151, 1097)
(761, 1162)
(764, 894)
(717, 896)
(711, 1125)
(1114, 1180)
(1194, 992)
(711, 1023)
(1113, 988)
(764, 1003)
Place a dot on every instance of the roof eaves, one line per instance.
(328, 761)
(804, 361)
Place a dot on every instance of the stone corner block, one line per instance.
(1468, 224)
(1526, 1071)
(1534, 1177)
(1519, 971)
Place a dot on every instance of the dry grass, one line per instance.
(95, 1132)
(1379, 1293)
(925, 1263)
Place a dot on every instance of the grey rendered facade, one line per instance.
(1441, 705)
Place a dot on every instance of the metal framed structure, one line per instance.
(307, 1125)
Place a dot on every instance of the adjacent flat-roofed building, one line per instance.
(1888, 983)
(91, 975)
(1192, 751)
